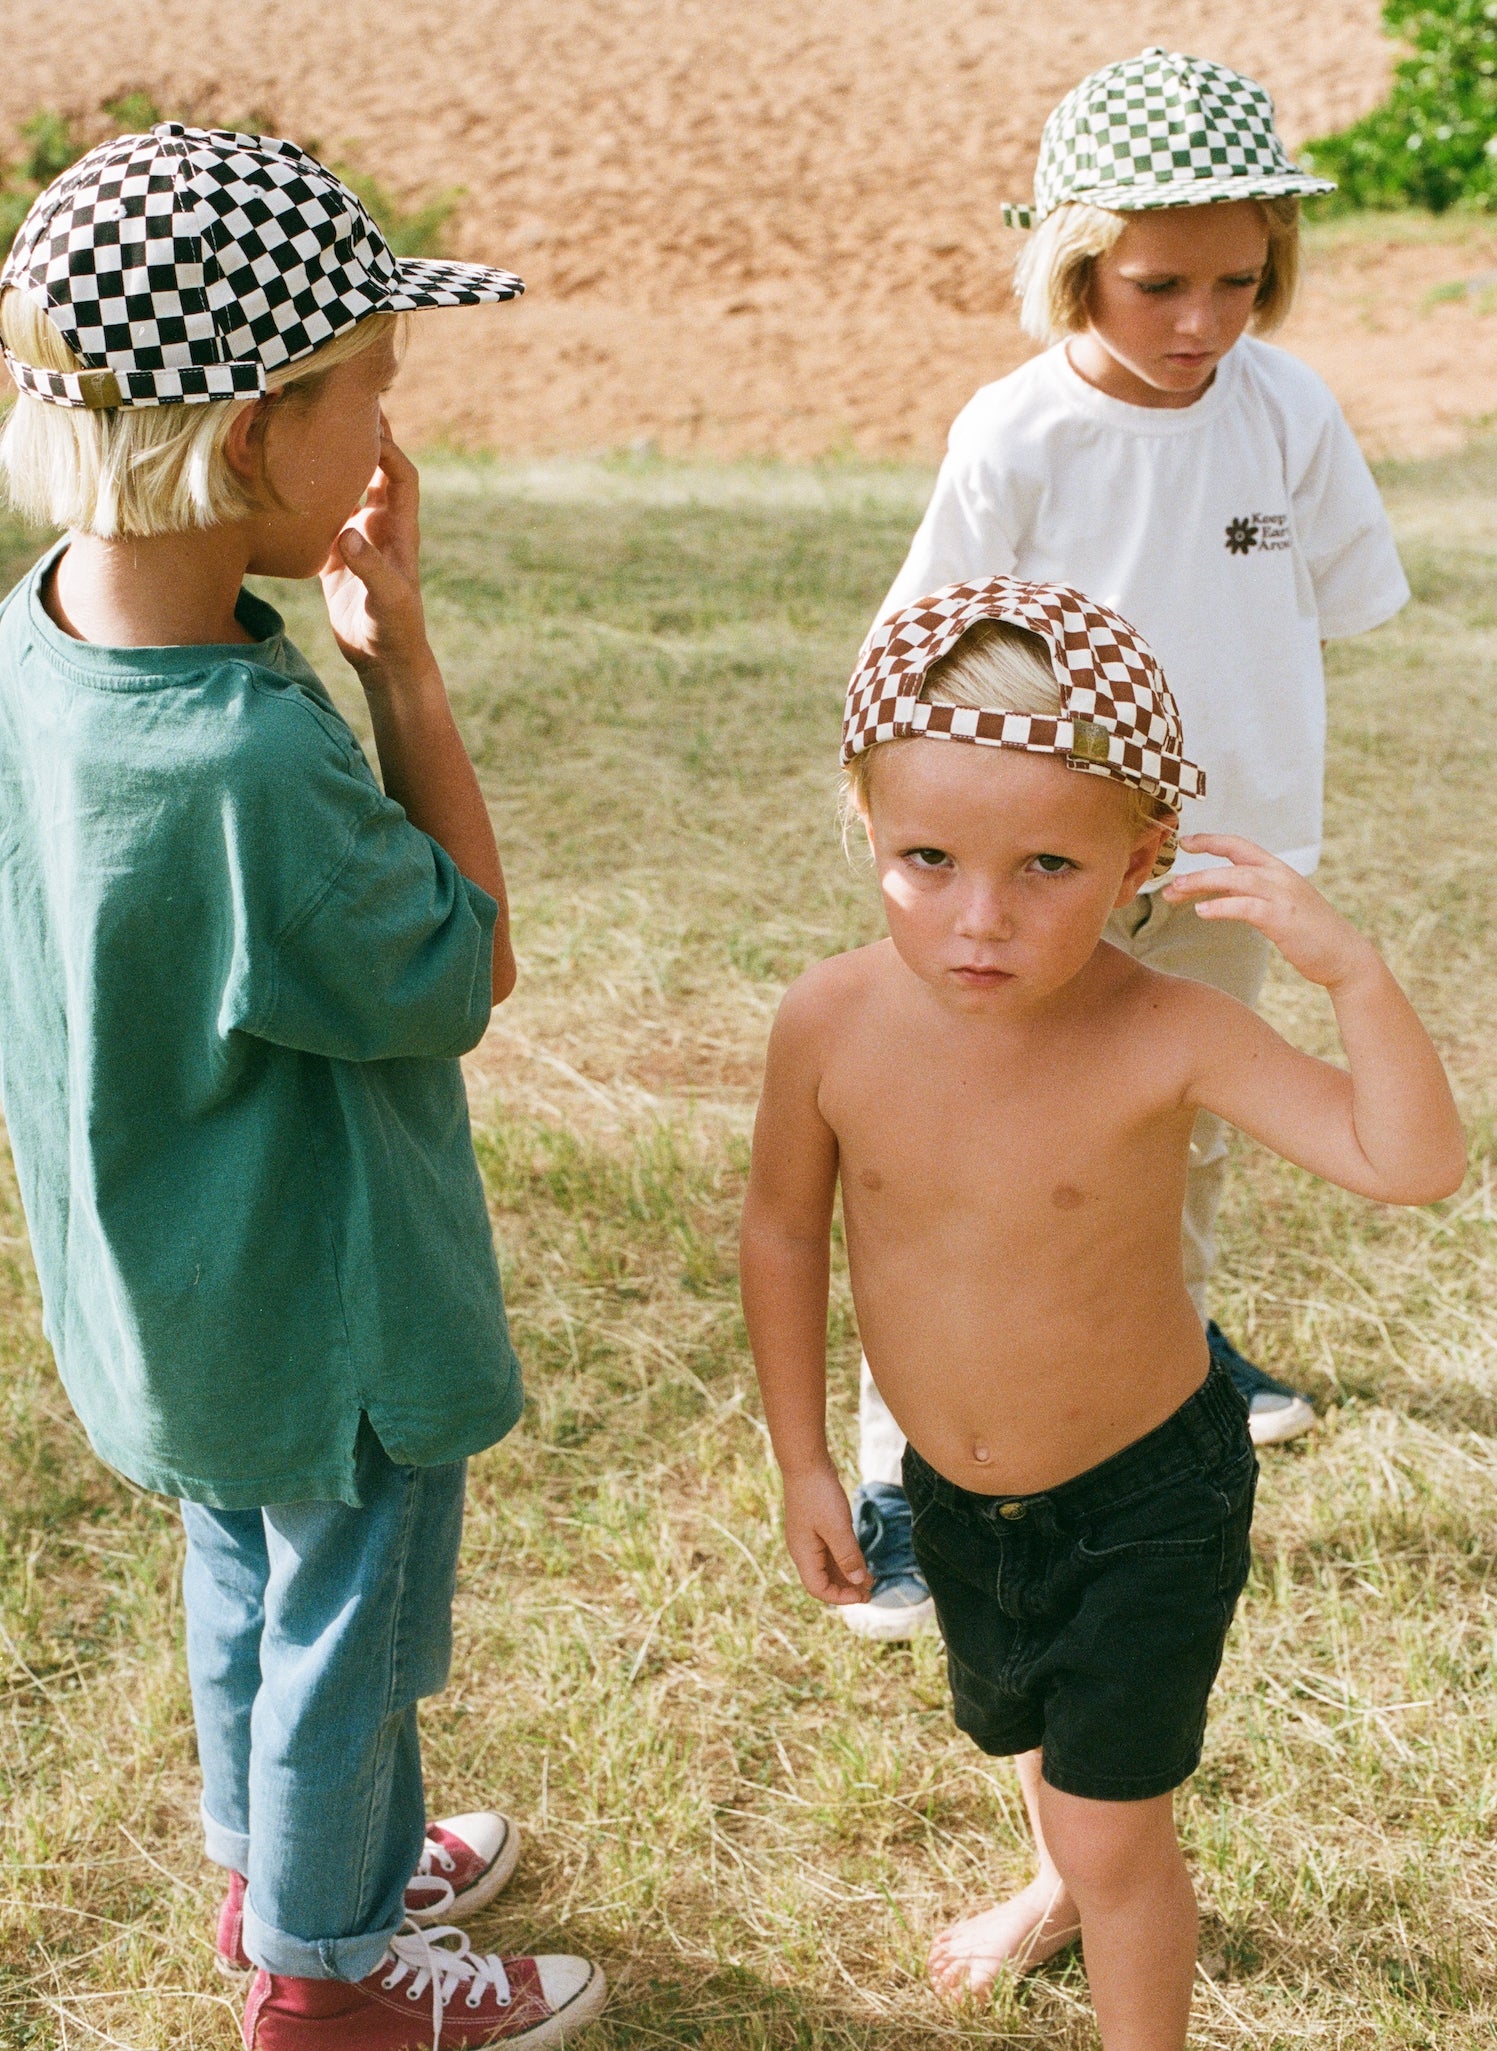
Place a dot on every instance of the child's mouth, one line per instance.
(981, 978)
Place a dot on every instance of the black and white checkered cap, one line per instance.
(182, 265)
(1162, 130)
(1118, 715)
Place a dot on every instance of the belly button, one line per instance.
(981, 1453)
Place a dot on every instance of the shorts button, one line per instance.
(1013, 1511)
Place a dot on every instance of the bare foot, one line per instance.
(1019, 1935)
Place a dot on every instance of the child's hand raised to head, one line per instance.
(820, 1537)
(371, 583)
(1386, 1125)
(372, 580)
(1286, 908)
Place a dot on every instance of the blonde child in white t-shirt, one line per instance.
(1205, 485)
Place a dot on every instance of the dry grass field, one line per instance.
(754, 1819)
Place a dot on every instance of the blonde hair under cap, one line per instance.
(1113, 712)
(1155, 131)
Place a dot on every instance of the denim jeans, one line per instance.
(312, 1631)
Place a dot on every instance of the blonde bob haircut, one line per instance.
(994, 667)
(136, 471)
(1053, 278)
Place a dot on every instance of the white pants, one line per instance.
(1229, 956)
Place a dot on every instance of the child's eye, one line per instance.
(1052, 865)
(927, 857)
(1154, 286)
(1249, 280)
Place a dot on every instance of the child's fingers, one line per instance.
(1212, 883)
(394, 461)
(380, 578)
(1257, 911)
(813, 1564)
(847, 1556)
(831, 1573)
(1233, 847)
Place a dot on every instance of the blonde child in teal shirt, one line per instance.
(235, 978)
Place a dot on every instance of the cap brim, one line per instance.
(422, 282)
(1204, 192)
(1192, 192)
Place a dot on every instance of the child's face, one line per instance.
(1176, 290)
(999, 868)
(320, 455)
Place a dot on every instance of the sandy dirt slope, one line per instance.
(770, 226)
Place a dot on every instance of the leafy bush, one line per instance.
(410, 231)
(1433, 143)
(49, 143)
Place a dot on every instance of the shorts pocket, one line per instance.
(946, 1546)
(1202, 1517)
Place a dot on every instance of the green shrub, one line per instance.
(1433, 142)
(410, 231)
(49, 143)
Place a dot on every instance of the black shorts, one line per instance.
(1089, 1620)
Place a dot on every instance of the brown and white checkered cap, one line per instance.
(1118, 717)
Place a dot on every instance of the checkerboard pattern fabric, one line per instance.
(1118, 718)
(183, 265)
(1162, 130)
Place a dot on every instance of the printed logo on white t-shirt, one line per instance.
(1257, 532)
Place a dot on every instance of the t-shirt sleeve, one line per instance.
(1345, 536)
(966, 532)
(360, 938)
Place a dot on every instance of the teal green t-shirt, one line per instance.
(234, 984)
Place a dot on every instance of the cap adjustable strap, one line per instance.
(98, 391)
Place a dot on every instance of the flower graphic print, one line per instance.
(1242, 536)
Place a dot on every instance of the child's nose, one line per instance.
(987, 914)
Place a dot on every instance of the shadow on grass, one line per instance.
(738, 2010)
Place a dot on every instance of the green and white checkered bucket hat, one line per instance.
(1161, 130)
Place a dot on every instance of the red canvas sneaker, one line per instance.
(466, 1861)
(432, 1992)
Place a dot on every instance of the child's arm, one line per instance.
(1389, 1128)
(372, 585)
(784, 1268)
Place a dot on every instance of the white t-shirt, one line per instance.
(1236, 533)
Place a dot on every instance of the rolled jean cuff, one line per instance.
(223, 1846)
(313, 1958)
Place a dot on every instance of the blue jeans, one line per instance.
(312, 1631)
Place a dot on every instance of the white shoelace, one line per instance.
(415, 1956)
(441, 1895)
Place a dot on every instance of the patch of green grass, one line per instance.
(755, 1820)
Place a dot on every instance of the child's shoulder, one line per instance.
(1027, 404)
(829, 992)
(1163, 1007)
(1284, 380)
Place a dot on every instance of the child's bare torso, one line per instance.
(1012, 1195)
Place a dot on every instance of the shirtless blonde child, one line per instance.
(1081, 1476)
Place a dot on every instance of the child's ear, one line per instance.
(244, 444)
(1141, 864)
